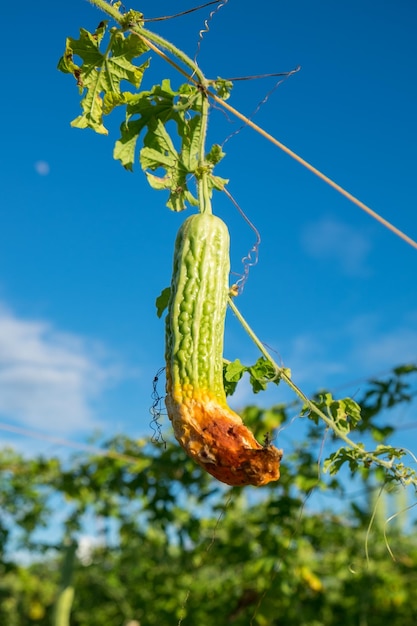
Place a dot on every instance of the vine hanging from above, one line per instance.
(172, 163)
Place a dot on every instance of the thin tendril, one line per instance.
(156, 410)
(171, 17)
(258, 76)
(371, 522)
(251, 259)
(392, 517)
(264, 99)
(206, 28)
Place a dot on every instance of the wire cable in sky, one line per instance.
(317, 172)
(288, 151)
(170, 17)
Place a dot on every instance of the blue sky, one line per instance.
(86, 247)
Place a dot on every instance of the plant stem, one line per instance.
(312, 407)
(204, 200)
(144, 34)
(107, 8)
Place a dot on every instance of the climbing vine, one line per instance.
(183, 166)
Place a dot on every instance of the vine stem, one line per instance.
(204, 200)
(150, 39)
(107, 8)
(280, 371)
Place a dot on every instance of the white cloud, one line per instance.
(42, 168)
(48, 379)
(332, 240)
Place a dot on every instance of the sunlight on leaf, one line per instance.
(100, 74)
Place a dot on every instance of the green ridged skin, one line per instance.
(211, 433)
(197, 309)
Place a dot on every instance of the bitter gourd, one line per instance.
(209, 431)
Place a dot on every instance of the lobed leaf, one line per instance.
(155, 108)
(260, 375)
(337, 459)
(100, 74)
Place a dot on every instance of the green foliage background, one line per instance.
(177, 547)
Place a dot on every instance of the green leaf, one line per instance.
(190, 98)
(346, 413)
(125, 147)
(262, 373)
(191, 135)
(232, 373)
(130, 18)
(344, 455)
(179, 197)
(390, 451)
(223, 87)
(152, 159)
(159, 152)
(353, 411)
(155, 109)
(121, 51)
(100, 74)
(215, 155)
(162, 301)
(156, 104)
(111, 100)
(216, 182)
(338, 412)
